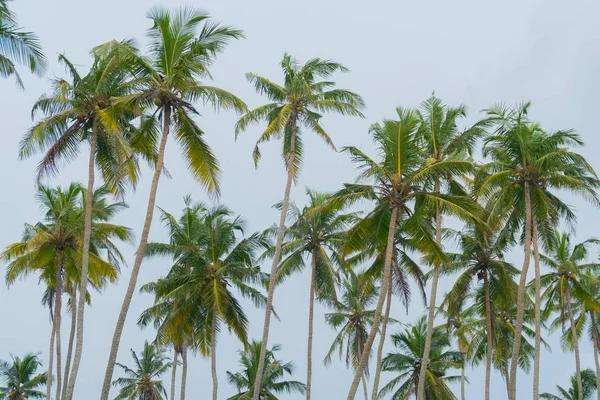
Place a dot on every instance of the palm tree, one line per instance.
(304, 96)
(142, 382)
(53, 248)
(19, 380)
(316, 233)
(442, 141)
(271, 384)
(182, 47)
(401, 180)
(584, 391)
(18, 47)
(218, 263)
(480, 261)
(527, 164)
(568, 280)
(407, 363)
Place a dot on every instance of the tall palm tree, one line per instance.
(19, 381)
(400, 180)
(183, 45)
(300, 101)
(316, 233)
(568, 280)
(480, 262)
(407, 363)
(442, 141)
(527, 165)
(575, 391)
(352, 318)
(18, 46)
(143, 381)
(54, 249)
(271, 384)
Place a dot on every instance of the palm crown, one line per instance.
(19, 380)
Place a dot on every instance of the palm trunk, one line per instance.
(213, 354)
(173, 374)
(58, 319)
(488, 321)
(461, 349)
(575, 345)
(50, 361)
(386, 317)
(537, 311)
(87, 233)
(138, 258)
(71, 340)
(278, 243)
(514, 362)
(432, 300)
(366, 390)
(311, 306)
(183, 370)
(595, 339)
(364, 357)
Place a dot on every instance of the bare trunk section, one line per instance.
(521, 298)
(461, 349)
(71, 340)
(488, 322)
(386, 317)
(58, 319)
(537, 311)
(55, 324)
(213, 354)
(366, 390)
(311, 306)
(183, 370)
(173, 374)
(432, 300)
(85, 258)
(595, 339)
(575, 346)
(278, 243)
(364, 358)
(138, 259)
(50, 361)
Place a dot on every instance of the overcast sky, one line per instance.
(470, 52)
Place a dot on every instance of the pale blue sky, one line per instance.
(470, 52)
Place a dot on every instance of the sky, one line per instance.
(467, 51)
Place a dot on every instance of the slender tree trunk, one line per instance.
(52, 340)
(311, 306)
(595, 339)
(71, 340)
(184, 366)
(386, 317)
(488, 321)
(58, 319)
(514, 362)
(213, 354)
(85, 257)
(506, 373)
(278, 243)
(432, 300)
(138, 258)
(537, 311)
(389, 251)
(366, 390)
(173, 374)
(575, 345)
(461, 349)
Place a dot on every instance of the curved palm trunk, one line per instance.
(366, 390)
(311, 306)
(213, 354)
(55, 323)
(521, 298)
(432, 299)
(595, 338)
(85, 258)
(71, 340)
(488, 322)
(173, 375)
(183, 370)
(537, 312)
(575, 345)
(50, 361)
(364, 358)
(57, 316)
(462, 370)
(278, 243)
(386, 317)
(138, 258)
